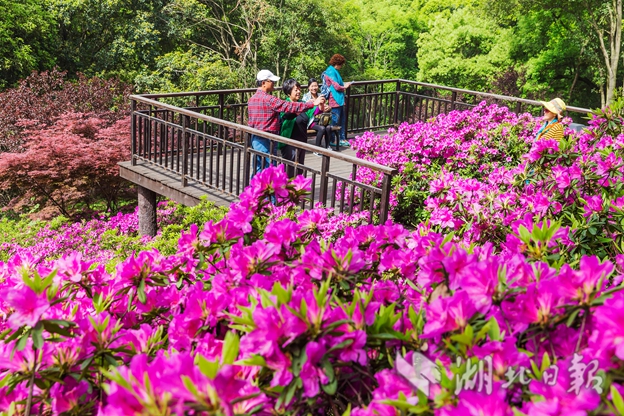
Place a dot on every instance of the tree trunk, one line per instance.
(610, 52)
(147, 212)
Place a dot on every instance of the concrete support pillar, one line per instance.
(147, 211)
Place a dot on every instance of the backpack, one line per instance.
(325, 87)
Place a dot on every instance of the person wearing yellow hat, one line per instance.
(553, 113)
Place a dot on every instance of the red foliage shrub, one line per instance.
(68, 164)
(44, 96)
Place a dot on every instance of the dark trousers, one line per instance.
(322, 131)
(293, 154)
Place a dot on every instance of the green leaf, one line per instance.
(524, 234)
(287, 394)
(86, 363)
(617, 400)
(494, 330)
(56, 329)
(256, 360)
(231, 347)
(207, 368)
(545, 362)
(572, 317)
(111, 360)
(465, 338)
(141, 292)
(37, 336)
(331, 387)
(21, 344)
(283, 295)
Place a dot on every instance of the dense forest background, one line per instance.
(525, 48)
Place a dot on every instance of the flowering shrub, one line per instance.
(105, 240)
(260, 313)
(460, 179)
(471, 144)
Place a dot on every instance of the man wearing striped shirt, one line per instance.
(264, 110)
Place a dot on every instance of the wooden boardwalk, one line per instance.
(168, 183)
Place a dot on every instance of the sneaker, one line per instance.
(316, 154)
(344, 143)
(330, 149)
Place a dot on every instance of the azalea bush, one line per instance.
(106, 239)
(480, 175)
(273, 310)
(471, 144)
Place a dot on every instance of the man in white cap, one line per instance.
(264, 110)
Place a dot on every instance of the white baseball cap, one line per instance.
(266, 74)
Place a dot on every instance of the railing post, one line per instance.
(453, 100)
(148, 134)
(184, 121)
(396, 102)
(385, 198)
(346, 112)
(246, 161)
(220, 134)
(518, 107)
(133, 134)
(324, 180)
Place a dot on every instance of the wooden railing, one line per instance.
(202, 136)
(217, 153)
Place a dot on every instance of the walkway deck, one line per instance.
(166, 183)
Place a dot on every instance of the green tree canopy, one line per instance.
(27, 39)
(463, 50)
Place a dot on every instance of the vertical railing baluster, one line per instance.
(148, 135)
(352, 193)
(372, 207)
(183, 122)
(133, 133)
(238, 170)
(397, 97)
(343, 189)
(312, 190)
(324, 179)
(362, 196)
(345, 113)
(385, 198)
(247, 160)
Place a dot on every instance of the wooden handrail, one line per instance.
(274, 137)
(371, 82)
(490, 95)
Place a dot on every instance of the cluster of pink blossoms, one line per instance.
(261, 313)
(85, 237)
(479, 174)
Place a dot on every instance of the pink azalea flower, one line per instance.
(311, 374)
(68, 396)
(28, 307)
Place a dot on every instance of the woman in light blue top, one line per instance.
(333, 80)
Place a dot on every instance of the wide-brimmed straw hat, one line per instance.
(556, 106)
